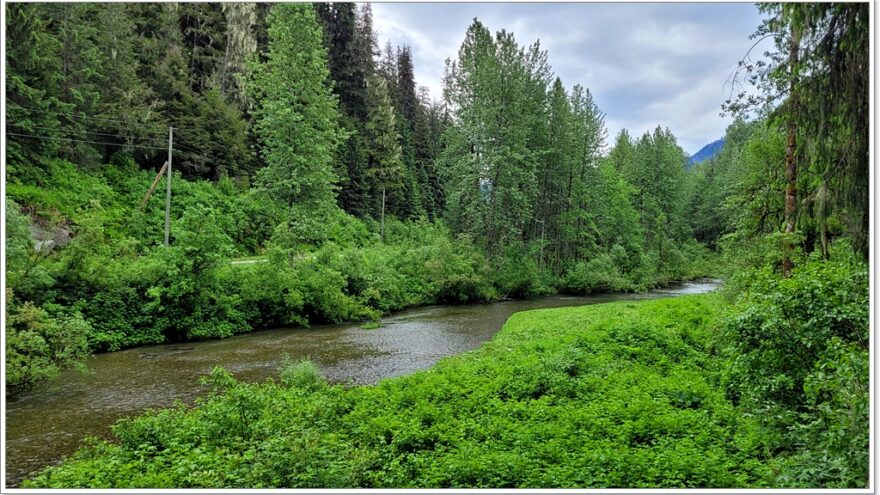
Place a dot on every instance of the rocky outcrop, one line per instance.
(46, 238)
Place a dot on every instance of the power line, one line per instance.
(185, 148)
(59, 114)
(184, 134)
(87, 132)
(177, 146)
(190, 150)
(83, 141)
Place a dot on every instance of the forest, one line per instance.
(314, 181)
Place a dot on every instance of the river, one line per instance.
(43, 427)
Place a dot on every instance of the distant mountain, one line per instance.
(706, 152)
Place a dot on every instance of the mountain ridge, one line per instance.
(706, 152)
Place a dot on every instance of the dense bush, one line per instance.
(618, 395)
(517, 275)
(39, 343)
(798, 357)
(600, 274)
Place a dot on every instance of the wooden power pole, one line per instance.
(168, 190)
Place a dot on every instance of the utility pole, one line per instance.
(382, 234)
(168, 189)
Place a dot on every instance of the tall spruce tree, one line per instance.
(33, 83)
(297, 121)
(385, 165)
(124, 102)
(348, 35)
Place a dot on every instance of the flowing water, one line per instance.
(42, 427)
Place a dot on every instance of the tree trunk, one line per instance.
(790, 163)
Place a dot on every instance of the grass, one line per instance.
(612, 395)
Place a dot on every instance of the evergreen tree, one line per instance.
(241, 44)
(348, 35)
(124, 103)
(33, 83)
(81, 67)
(408, 102)
(297, 121)
(365, 46)
(409, 110)
(424, 155)
(385, 168)
(347, 69)
(203, 30)
(436, 121)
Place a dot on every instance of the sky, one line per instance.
(646, 64)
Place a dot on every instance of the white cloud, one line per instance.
(646, 64)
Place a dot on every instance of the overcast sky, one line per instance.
(646, 64)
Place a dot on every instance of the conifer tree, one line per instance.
(385, 167)
(297, 120)
(241, 44)
(81, 66)
(124, 98)
(33, 84)
(203, 27)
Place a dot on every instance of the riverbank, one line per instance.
(620, 394)
(46, 425)
(114, 285)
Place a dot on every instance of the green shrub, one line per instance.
(302, 374)
(600, 274)
(516, 274)
(39, 344)
(798, 355)
(24, 271)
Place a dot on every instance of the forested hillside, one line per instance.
(313, 180)
(296, 141)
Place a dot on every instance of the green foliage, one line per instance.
(24, 272)
(297, 120)
(490, 161)
(814, 87)
(532, 208)
(600, 274)
(384, 166)
(133, 291)
(302, 374)
(797, 350)
(516, 273)
(186, 297)
(610, 395)
(39, 344)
